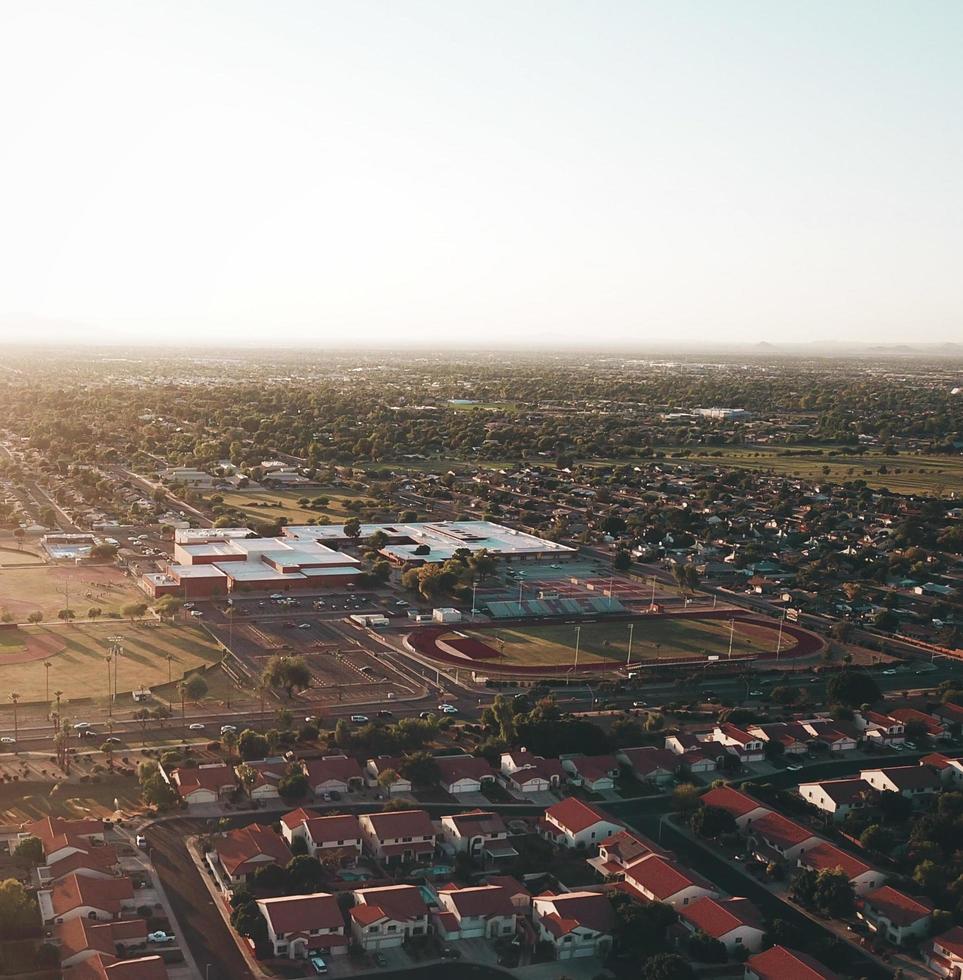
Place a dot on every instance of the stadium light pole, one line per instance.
(779, 640)
(628, 656)
(474, 589)
(578, 637)
(652, 602)
(107, 660)
(732, 630)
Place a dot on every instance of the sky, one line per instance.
(495, 172)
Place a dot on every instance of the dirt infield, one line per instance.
(439, 644)
(17, 647)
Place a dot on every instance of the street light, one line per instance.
(578, 636)
(107, 660)
(628, 656)
(46, 677)
(779, 640)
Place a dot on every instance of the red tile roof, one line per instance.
(780, 963)
(93, 859)
(827, 856)
(732, 800)
(572, 910)
(718, 917)
(76, 891)
(595, 767)
(455, 768)
(213, 778)
(910, 777)
(781, 832)
(301, 913)
(901, 909)
(57, 831)
(663, 878)
(842, 791)
(477, 822)
(737, 734)
(648, 759)
(400, 823)
(400, 903)
(933, 725)
(484, 900)
(951, 941)
(336, 768)
(574, 815)
(236, 848)
(626, 847)
(105, 966)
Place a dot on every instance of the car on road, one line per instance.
(79, 726)
(8, 740)
(444, 706)
(196, 613)
(196, 726)
(228, 730)
(425, 714)
(793, 766)
(188, 605)
(755, 694)
(141, 841)
(640, 704)
(889, 673)
(159, 937)
(304, 626)
(88, 733)
(385, 713)
(112, 740)
(450, 953)
(360, 719)
(401, 602)
(317, 962)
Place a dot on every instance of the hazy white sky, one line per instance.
(500, 170)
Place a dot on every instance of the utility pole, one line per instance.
(170, 659)
(578, 637)
(652, 602)
(116, 649)
(779, 641)
(57, 696)
(67, 593)
(15, 698)
(628, 656)
(474, 589)
(107, 660)
(46, 689)
(732, 630)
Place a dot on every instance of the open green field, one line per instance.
(34, 799)
(76, 654)
(49, 588)
(268, 505)
(662, 639)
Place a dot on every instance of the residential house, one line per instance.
(744, 808)
(827, 857)
(623, 848)
(914, 782)
(84, 896)
(831, 734)
(480, 834)
(333, 773)
(650, 764)
(774, 836)
(299, 925)
(574, 823)
(375, 768)
(792, 736)
(104, 966)
(740, 743)
(935, 727)
(80, 938)
(267, 774)
(945, 954)
(895, 915)
(204, 784)
(398, 836)
(382, 918)
(838, 797)
(949, 770)
(521, 759)
(655, 878)
(239, 853)
(478, 912)
(518, 894)
(338, 835)
(463, 773)
(577, 924)
(879, 729)
(699, 754)
(734, 922)
(781, 963)
(596, 773)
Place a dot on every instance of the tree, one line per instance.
(229, 741)
(108, 749)
(289, 674)
(305, 875)
(622, 561)
(705, 948)
(852, 687)
(195, 687)
(66, 614)
(35, 617)
(104, 551)
(834, 895)
(248, 921)
(247, 776)
(352, 528)
(420, 768)
(712, 821)
(685, 797)
(667, 966)
(18, 911)
(876, 838)
(252, 745)
(29, 851)
(271, 877)
(134, 610)
(386, 777)
(293, 786)
(154, 788)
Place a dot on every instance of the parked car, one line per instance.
(159, 937)
(196, 613)
(141, 841)
(317, 962)
(8, 740)
(384, 713)
(196, 726)
(360, 719)
(228, 729)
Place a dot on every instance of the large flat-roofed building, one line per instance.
(216, 563)
(407, 542)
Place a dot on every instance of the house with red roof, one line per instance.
(58, 835)
(744, 808)
(935, 727)
(655, 878)
(623, 848)
(781, 963)
(831, 734)
(949, 770)
(477, 912)
(374, 768)
(398, 836)
(463, 773)
(576, 923)
(100, 899)
(838, 797)
(700, 754)
(596, 773)
(204, 784)
(774, 836)
(740, 743)
(338, 835)
(827, 857)
(299, 925)
(268, 773)
(944, 956)
(792, 736)
(650, 764)
(879, 729)
(532, 773)
(896, 916)
(574, 823)
(481, 834)
(916, 783)
(79, 938)
(239, 853)
(518, 894)
(382, 918)
(338, 773)
(735, 922)
(104, 966)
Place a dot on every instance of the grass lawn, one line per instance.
(665, 639)
(78, 667)
(268, 505)
(33, 799)
(48, 588)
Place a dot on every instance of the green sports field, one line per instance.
(653, 639)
